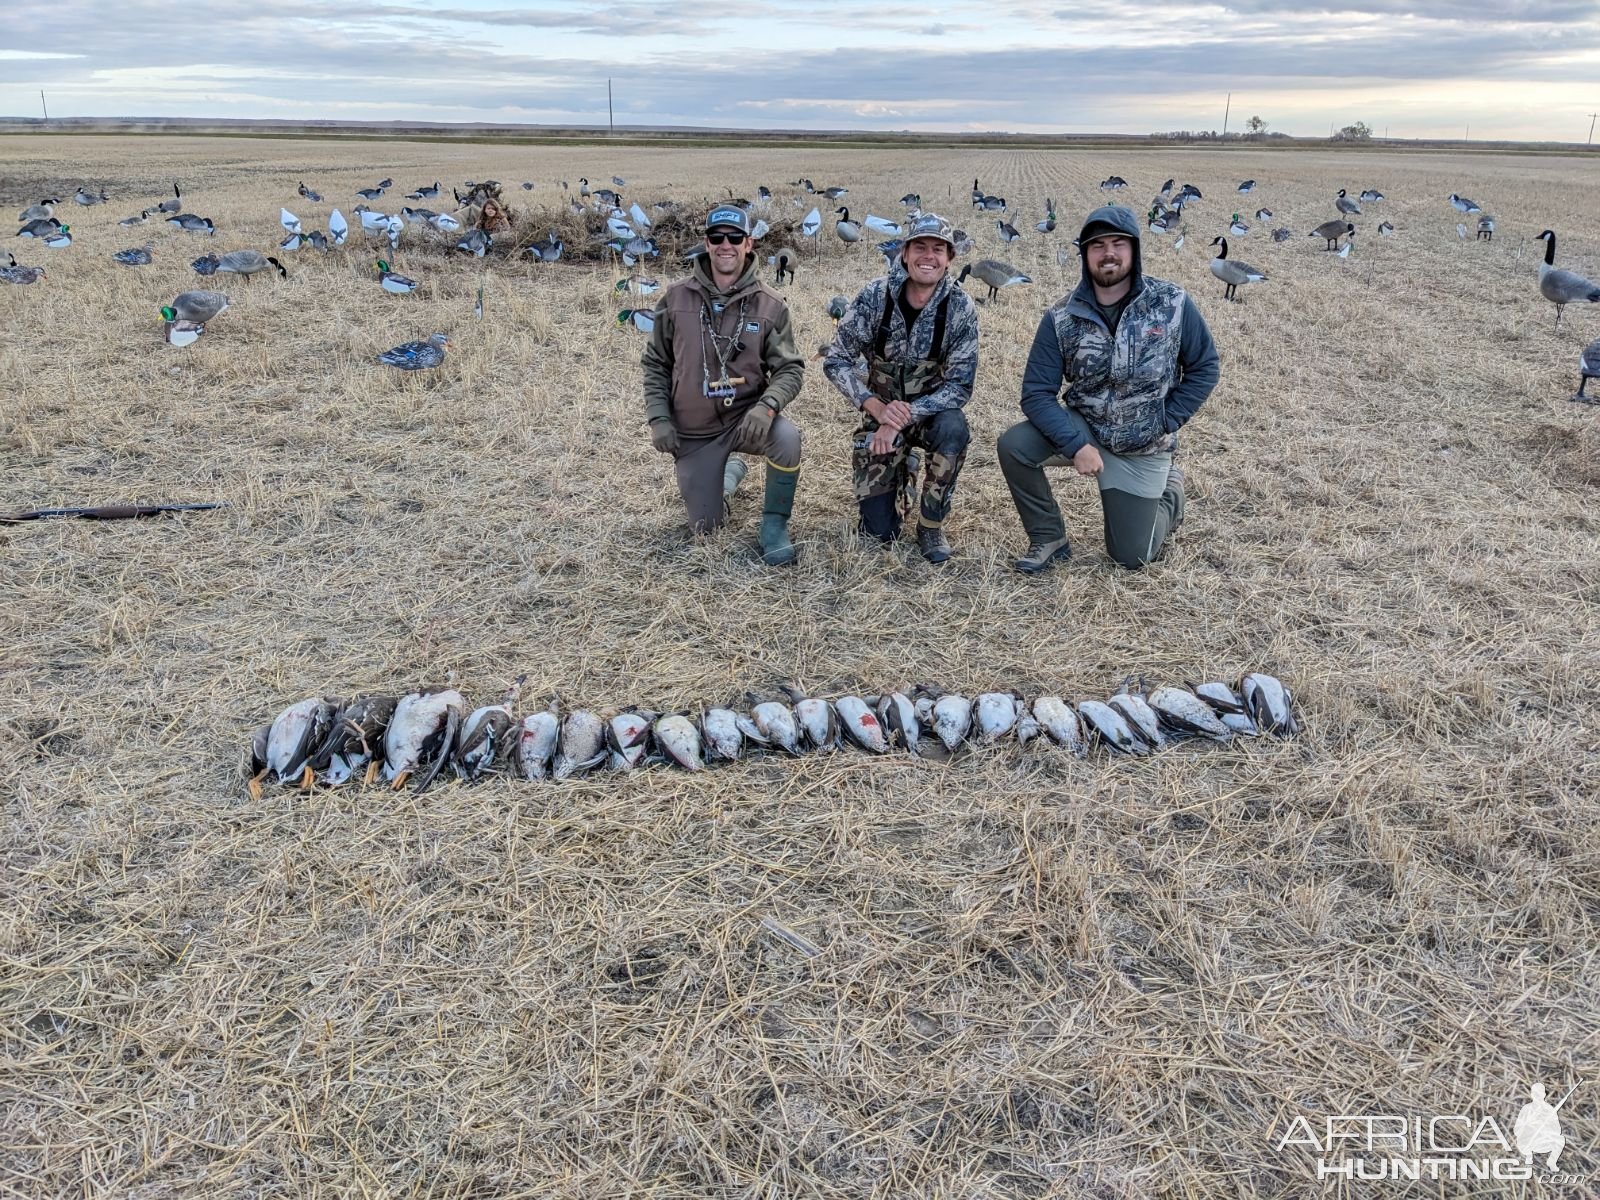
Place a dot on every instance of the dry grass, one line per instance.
(1040, 977)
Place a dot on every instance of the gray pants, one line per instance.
(700, 462)
(1136, 526)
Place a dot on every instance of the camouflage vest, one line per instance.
(906, 379)
(1120, 382)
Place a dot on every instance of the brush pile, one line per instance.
(423, 733)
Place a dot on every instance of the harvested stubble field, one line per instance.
(1040, 976)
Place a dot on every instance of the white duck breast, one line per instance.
(1219, 696)
(861, 724)
(777, 724)
(1061, 723)
(421, 733)
(819, 721)
(536, 743)
(582, 744)
(1240, 723)
(1136, 710)
(1107, 725)
(1185, 712)
(296, 733)
(952, 720)
(1270, 703)
(899, 718)
(996, 714)
(679, 740)
(627, 737)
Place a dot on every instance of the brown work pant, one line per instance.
(700, 463)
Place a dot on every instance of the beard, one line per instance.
(1112, 273)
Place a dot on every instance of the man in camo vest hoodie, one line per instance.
(1137, 361)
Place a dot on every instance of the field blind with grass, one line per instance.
(1039, 976)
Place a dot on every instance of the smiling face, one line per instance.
(926, 260)
(1109, 259)
(726, 248)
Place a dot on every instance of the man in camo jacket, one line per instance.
(1117, 367)
(906, 355)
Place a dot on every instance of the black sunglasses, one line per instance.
(733, 239)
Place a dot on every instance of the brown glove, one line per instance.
(664, 435)
(756, 424)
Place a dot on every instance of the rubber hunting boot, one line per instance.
(776, 548)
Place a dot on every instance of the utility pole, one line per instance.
(611, 117)
(1590, 142)
(46, 108)
(1226, 110)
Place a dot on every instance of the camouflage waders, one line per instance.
(886, 484)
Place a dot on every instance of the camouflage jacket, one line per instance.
(1133, 388)
(845, 363)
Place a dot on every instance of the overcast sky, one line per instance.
(1418, 68)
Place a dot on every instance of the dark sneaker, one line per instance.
(1041, 556)
(933, 544)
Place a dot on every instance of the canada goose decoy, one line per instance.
(1588, 368)
(847, 229)
(193, 224)
(173, 205)
(835, 192)
(248, 263)
(134, 258)
(1113, 183)
(1346, 205)
(1560, 287)
(549, 250)
(425, 193)
(1233, 272)
(199, 307)
(1246, 186)
(1007, 231)
(1462, 204)
(39, 227)
(35, 212)
(314, 197)
(386, 184)
(417, 356)
(1385, 229)
(392, 281)
(764, 194)
(995, 274)
(1238, 228)
(1166, 188)
(1485, 229)
(607, 196)
(1371, 196)
(583, 188)
(138, 220)
(912, 200)
(85, 197)
(1263, 214)
(994, 204)
(640, 319)
(783, 260)
(1331, 232)
(476, 243)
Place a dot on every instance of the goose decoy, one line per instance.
(143, 216)
(314, 197)
(1588, 368)
(583, 188)
(1238, 228)
(764, 194)
(994, 204)
(288, 220)
(1165, 220)
(783, 260)
(1346, 205)
(1247, 185)
(386, 184)
(392, 281)
(1233, 272)
(36, 212)
(1007, 231)
(640, 319)
(1349, 245)
(549, 250)
(425, 193)
(475, 243)
(912, 200)
(39, 227)
(193, 224)
(1370, 196)
(995, 274)
(1462, 204)
(882, 225)
(1331, 232)
(891, 251)
(641, 219)
(317, 240)
(86, 197)
(1385, 229)
(812, 224)
(248, 263)
(1263, 214)
(847, 229)
(1113, 183)
(173, 205)
(443, 222)
(1560, 287)
(1166, 188)
(607, 196)
(835, 193)
(527, 185)
(134, 258)
(1461, 231)
(417, 356)
(1485, 229)
(619, 181)
(338, 227)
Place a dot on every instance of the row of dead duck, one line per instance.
(416, 737)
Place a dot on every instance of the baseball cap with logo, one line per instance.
(932, 225)
(729, 215)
